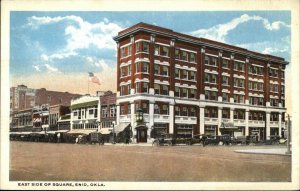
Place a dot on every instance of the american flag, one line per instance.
(94, 78)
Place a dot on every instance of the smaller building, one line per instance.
(55, 112)
(21, 120)
(84, 114)
(40, 118)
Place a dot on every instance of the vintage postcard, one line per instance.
(150, 95)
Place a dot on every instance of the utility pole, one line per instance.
(288, 136)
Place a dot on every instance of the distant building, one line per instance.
(49, 97)
(21, 120)
(39, 101)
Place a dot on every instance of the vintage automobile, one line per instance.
(196, 139)
(164, 139)
(273, 140)
(217, 140)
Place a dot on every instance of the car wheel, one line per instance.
(169, 143)
(221, 143)
(155, 143)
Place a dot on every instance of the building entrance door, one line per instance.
(142, 135)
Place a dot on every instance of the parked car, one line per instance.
(273, 140)
(196, 139)
(164, 139)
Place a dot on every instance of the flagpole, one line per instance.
(88, 85)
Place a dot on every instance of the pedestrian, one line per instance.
(76, 140)
(58, 138)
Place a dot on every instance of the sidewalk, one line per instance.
(271, 151)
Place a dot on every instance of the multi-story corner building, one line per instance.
(84, 114)
(187, 85)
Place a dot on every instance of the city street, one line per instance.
(66, 162)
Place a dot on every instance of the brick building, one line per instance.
(187, 85)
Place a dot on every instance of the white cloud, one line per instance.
(220, 31)
(51, 68)
(37, 68)
(102, 64)
(269, 47)
(81, 34)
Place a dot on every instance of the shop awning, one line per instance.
(20, 133)
(106, 131)
(229, 126)
(58, 131)
(82, 131)
(120, 127)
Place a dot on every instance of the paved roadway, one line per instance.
(66, 162)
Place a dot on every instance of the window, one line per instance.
(192, 93)
(177, 56)
(128, 88)
(145, 67)
(235, 82)
(145, 87)
(235, 66)
(225, 114)
(214, 61)
(260, 86)
(206, 60)
(213, 79)
(91, 112)
(129, 70)
(225, 80)
(225, 97)
(184, 92)
(177, 111)
(177, 92)
(184, 111)
(177, 73)
(193, 112)
(123, 72)
(137, 67)
(137, 47)
(145, 108)
(165, 70)
(156, 89)
(165, 109)
(122, 52)
(241, 83)
(207, 77)
(156, 69)
(129, 50)
(282, 89)
(235, 98)
(206, 112)
(184, 74)
(241, 66)
(165, 51)
(192, 57)
(113, 111)
(145, 47)
(192, 75)
(184, 55)
(156, 109)
(165, 90)
(225, 63)
(156, 50)
(137, 87)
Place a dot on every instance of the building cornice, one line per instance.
(197, 41)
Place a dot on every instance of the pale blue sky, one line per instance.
(56, 43)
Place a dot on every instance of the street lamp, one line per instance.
(288, 135)
(113, 126)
